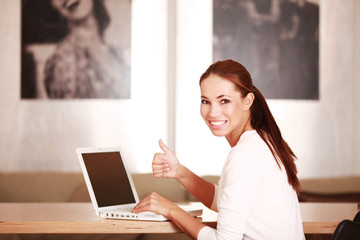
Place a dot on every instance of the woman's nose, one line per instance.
(214, 111)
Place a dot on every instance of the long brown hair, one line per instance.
(262, 119)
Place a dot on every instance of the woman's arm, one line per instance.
(167, 165)
(203, 190)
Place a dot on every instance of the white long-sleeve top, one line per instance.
(254, 199)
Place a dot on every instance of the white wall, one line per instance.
(322, 133)
(43, 134)
(356, 26)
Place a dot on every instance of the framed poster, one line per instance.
(277, 41)
(75, 49)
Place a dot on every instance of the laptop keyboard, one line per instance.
(123, 209)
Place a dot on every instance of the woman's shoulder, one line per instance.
(250, 146)
(249, 141)
(248, 159)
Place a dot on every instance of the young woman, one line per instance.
(257, 193)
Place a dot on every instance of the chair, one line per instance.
(347, 229)
(357, 217)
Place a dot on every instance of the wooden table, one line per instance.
(322, 218)
(79, 218)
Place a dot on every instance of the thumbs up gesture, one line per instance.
(165, 164)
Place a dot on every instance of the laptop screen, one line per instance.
(108, 178)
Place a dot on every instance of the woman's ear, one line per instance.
(249, 99)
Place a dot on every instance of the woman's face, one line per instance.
(74, 10)
(223, 108)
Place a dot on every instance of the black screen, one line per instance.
(108, 178)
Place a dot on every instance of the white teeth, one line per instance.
(217, 123)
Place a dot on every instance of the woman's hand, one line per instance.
(160, 205)
(156, 204)
(165, 164)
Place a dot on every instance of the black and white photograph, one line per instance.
(276, 40)
(75, 49)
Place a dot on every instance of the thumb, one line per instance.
(164, 147)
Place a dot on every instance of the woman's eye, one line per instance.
(225, 101)
(204, 102)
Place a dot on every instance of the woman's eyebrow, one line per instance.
(220, 96)
(223, 95)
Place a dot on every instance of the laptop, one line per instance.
(111, 189)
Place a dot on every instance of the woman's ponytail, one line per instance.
(264, 123)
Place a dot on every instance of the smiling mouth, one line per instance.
(218, 123)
